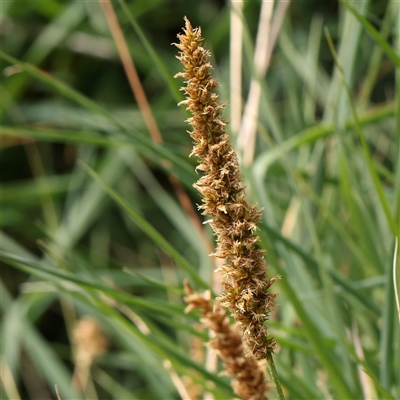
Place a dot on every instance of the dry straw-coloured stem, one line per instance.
(232, 218)
(130, 70)
(267, 34)
(247, 374)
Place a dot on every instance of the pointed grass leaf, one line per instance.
(394, 226)
(374, 34)
(144, 144)
(57, 277)
(148, 229)
(158, 62)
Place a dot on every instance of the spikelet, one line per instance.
(234, 221)
(247, 374)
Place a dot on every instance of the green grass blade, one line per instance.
(165, 73)
(147, 228)
(37, 269)
(48, 363)
(375, 61)
(153, 152)
(49, 39)
(339, 279)
(367, 154)
(374, 34)
(27, 338)
(170, 208)
(65, 136)
(313, 334)
(144, 143)
(154, 282)
(167, 350)
(311, 135)
(83, 206)
(57, 85)
(397, 123)
(159, 345)
(297, 386)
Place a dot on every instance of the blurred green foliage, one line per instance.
(326, 171)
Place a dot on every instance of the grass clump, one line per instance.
(98, 219)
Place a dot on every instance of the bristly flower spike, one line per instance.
(233, 219)
(247, 373)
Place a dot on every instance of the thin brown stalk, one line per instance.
(177, 381)
(130, 70)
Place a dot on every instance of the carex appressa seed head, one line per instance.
(233, 219)
(247, 373)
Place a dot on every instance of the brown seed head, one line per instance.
(247, 374)
(88, 339)
(233, 219)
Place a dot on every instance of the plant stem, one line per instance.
(274, 375)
